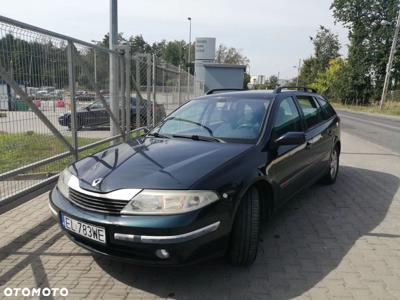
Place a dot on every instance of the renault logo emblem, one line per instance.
(96, 182)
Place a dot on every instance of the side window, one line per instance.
(311, 110)
(327, 110)
(287, 118)
(97, 105)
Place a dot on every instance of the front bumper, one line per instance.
(187, 238)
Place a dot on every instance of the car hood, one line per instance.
(154, 164)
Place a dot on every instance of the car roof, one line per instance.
(256, 94)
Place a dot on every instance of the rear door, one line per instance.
(316, 134)
(328, 129)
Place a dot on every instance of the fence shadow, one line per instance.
(300, 246)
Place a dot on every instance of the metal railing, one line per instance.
(55, 102)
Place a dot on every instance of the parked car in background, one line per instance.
(95, 114)
(201, 182)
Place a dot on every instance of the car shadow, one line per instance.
(301, 245)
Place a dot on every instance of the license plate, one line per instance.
(86, 230)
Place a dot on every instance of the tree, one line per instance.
(139, 45)
(326, 47)
(272, 82)
(370, 43)
(246, 80)
(331, 83)
(230, 55)
(308, 71)
(175, 53)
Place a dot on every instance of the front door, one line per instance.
(289, 162)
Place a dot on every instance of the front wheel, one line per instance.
(246, 230)
(331, 174)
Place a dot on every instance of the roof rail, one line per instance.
(299, 88)
(217, 91)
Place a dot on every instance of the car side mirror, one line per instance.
(291, 138)
(87, 108)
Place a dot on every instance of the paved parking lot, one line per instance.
(340, 241)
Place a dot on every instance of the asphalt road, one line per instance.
(381, 130)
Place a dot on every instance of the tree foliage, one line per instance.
(230, 55)
(370, 42)
(326, 47)
(330, 83)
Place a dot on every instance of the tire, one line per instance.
(246, 230)
(79, 127)
(331, 174)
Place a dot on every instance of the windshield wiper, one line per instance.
(157, 135)
(199, 138)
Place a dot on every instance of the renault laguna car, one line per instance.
(200, 183)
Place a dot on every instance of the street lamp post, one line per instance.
(190, 39)
(390, 62)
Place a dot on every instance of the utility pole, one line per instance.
(298, 72)
(390, 62)
(113, 41)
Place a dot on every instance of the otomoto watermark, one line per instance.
(32, 292)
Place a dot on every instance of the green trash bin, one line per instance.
(21, 105)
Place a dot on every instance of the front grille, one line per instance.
(96, 203)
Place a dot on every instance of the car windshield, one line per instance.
(227, 119)
(96, 105)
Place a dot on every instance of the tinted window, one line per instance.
(327, 110)
(287, 118)
(311, 110)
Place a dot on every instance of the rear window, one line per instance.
(327, 110)
(311, 111)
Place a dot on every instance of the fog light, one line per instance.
(162, 253)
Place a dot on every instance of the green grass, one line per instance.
(20, 149)
(390, 108)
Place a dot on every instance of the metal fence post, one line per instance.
(122, 86)
(194, 87)
(148, 89)
(179, 86)
(188, 84)
(113, 41)
(127, 59)
(71, 82)
(138, 83)
(153, 110)
(95, 71)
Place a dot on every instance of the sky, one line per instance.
(273, 34)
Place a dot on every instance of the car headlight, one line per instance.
(62, 183)
(167, 202)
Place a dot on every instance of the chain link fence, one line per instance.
(55, 102)
(165, 85)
